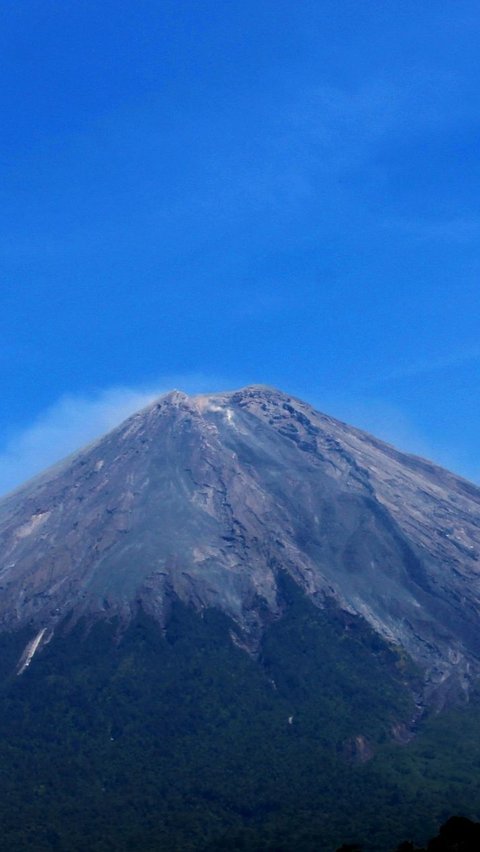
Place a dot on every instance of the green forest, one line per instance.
(143, 739)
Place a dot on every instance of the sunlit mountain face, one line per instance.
(235, 622)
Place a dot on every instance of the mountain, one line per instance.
(241, 617)
(206, 498)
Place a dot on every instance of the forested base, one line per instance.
(184, 742)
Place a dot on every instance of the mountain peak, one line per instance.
(174, 397)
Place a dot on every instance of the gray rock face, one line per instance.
(209, 497)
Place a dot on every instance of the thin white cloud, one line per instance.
(76, 420)
(451, 230)
(449, 361)
(324, 132)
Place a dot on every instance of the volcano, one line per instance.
(235, 620)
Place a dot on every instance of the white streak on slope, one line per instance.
(30, 650)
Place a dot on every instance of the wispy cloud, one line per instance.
(325, 133)
(449, 230)
(76, 420)
(449, 361)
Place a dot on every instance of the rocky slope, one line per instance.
(207, 498)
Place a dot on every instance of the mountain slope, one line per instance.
(206, 498)
(180, 740)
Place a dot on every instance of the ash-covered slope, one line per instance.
(208, 498)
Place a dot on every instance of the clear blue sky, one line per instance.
(210, 194)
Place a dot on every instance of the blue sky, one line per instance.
(210, 194)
